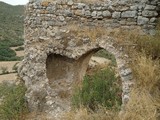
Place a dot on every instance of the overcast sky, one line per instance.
(15, 2)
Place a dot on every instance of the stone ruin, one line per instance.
(57, 54)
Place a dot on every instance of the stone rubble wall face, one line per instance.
(110, 14)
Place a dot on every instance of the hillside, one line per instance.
(11, 21)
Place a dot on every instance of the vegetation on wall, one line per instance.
(149, 44)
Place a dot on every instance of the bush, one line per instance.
(11, 43)
(99, 89)
(7, 54)
(13, 102)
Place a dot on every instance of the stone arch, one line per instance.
(49, 84)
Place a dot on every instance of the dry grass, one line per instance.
(145, 97)
(8, 77)
(142, 106)
(146, 71)
(84, 114)
(86, 32)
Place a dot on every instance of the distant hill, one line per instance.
(11, 21)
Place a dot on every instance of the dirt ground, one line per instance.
(8, 77)
(8, 65)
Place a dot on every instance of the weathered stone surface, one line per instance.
(87, 13)
(106, 14)
(135, 7)
(78, 12)
(150, 7)
(153, 20)
(94, 14)
(116, 15)
(147, 13)
(128, 14)
(70, 2)
(142, 20)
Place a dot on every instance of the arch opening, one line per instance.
(64, 74)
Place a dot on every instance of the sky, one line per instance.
(15, 2)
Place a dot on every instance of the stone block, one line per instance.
(128, 14)
(87, 13)
(70, 2)
(152, 20)
(116, 15)
(78, 12)
(150, 7)
(142, 20)
(147, 13)
(99, 13)
(106, 13)
(94, 14)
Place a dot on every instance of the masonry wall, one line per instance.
(113, 14)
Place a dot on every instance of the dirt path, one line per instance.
(8, 65)
(8, 77)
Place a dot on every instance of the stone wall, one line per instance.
(57, 39)
(115, 13)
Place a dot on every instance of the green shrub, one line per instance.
(99, 89)
(11, 43)
(7, 54)
(13, 103)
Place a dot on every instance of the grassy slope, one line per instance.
(11, 21)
